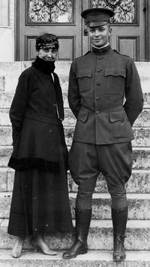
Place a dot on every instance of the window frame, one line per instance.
(28, 23)
(7, 25)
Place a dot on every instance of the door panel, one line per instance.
(128, 26)
(129, 46)
(66, 51)
(35, 21)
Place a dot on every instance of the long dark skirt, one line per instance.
(40, 204)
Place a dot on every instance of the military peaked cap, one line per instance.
(97, 16)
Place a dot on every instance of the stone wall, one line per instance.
(7, 37)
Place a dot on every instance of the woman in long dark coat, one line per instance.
(40, 203)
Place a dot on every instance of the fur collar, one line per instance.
(46, 67)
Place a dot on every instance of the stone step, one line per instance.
(94, 258)
(142, 136)
(141, 157)
(12, 70)
(139, 205)
(139, 182)
(100, 236)
(9, 73)
(142, 121)
(6, 97)
(143, 70)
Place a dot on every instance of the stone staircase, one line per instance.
(137, 241)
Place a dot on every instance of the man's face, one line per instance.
(99, 35)
(48, 54)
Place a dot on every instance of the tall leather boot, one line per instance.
(83, 218)
(119, 219)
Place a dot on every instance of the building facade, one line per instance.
(22, 21)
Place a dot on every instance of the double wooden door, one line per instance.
(130, 26)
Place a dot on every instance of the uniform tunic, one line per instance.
(105, 96)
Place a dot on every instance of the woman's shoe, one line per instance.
(40, 245)
(17, 249)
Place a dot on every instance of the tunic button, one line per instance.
(50, 131)
(97, 112)
(100, 58)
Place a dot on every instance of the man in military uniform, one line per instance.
(106, 98)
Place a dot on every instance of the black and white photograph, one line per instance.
(74, 133)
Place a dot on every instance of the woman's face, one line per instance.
(48, 54)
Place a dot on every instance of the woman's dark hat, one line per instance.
(47, 40)
(97, 16)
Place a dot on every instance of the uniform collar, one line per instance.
(101, 50)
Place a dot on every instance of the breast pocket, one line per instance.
(84, 80)
(115, 80)
(115, 72)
